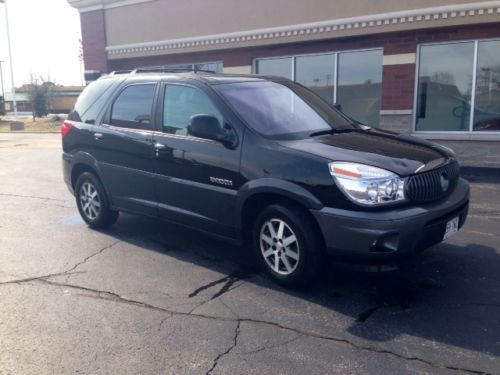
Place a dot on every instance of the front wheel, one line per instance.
(93, 203)
(288, 245)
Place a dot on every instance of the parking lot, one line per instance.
(149, 297)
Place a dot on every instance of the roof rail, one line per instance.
(114, 72)
(167, 69)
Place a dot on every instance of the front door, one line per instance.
(196, 179)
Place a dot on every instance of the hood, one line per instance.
(401, 154)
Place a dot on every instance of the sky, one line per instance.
(44, 36)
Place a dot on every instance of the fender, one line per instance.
(276, 186)
(84, 158)
(81, 157)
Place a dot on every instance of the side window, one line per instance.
(183, 102)
(92, 99)
(132, 109)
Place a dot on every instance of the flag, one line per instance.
(80, 50)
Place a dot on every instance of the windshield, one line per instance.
(275, 109)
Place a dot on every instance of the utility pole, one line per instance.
(14, 102)
(1, 79)
(2, 110)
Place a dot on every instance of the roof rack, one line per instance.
(114, 72)
(167, 69)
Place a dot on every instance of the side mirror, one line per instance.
(143, 119)
(209, 127)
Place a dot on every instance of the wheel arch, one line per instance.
(83, 162)
(261, 193)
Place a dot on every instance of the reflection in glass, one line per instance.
(487, 100)
(444, 87)
(316, 73)
(183, 102)
(216, 67)
(211, 67)
(275, 67)
(360, 85)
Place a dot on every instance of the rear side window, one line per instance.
(132, 108)
(183, 102)
(91, 100)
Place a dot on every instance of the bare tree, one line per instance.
(40, 95)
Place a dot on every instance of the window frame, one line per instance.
(469, 134)
(108, 117)
(335, 53)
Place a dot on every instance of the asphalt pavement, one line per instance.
(147, 297)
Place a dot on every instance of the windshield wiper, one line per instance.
(336, 131)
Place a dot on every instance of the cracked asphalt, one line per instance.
(146, 297)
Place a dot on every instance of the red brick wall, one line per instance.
(94, 40)
(398, 83)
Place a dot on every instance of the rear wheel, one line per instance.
(288, 245)
(93, 203)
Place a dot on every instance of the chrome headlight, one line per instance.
(368, 185)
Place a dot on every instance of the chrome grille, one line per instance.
(428, 186)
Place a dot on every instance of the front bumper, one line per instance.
(392, 234)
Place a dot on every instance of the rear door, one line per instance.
(124, 148)
(196, 179)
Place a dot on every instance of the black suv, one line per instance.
(260, 161)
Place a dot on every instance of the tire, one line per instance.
(288, 246)
(92, 202)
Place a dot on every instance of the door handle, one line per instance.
(98, 136)
(158, 147)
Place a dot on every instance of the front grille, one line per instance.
(428, 186)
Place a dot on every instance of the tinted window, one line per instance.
(183, 102)
(445, 87)
(360, 85)
(132, 109)
(276, 109)
(281, 67)
(91, 100)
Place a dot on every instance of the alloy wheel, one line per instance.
(279, 246)
(90, 200)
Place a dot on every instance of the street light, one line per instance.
(10, 59)
(2, 109)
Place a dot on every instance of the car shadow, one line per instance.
(434, 297)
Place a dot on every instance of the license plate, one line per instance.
(451, 228)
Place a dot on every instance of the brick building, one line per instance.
(429, 68)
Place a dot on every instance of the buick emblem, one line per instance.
(445, 182)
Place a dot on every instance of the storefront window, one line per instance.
(281, 67)
(360, 85)
(487, 99)
(445, 87)
(211, 66)
(216, 66)
(451, 95)
(317, 73)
